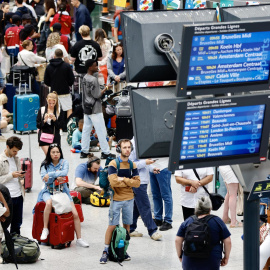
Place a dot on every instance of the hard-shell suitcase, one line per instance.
(27, 166)
(10, 91)
(25, 110)
(80, 212)
(77, 194)
(38, 222)
(61, 229)
(124, 129)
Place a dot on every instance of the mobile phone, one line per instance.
(187, 188)
(155, 159)
(23, 172)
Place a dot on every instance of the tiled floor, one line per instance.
(145, 253)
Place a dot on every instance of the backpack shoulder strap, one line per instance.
(117, 164)
(42, 110)
(130, 164)
(208, 217)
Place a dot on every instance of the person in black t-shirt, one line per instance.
(84, 50)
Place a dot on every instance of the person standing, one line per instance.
(122, 181)
(191, 187)
(83, 50)
(93, 115)
(12, 177)
(141, 201)
(82, 17)
(65, 78)
(160, 181)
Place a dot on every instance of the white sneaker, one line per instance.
(2, 138)
(45, 233)
(61, 132)
(136, 234)
(82, 243)
(156, 236)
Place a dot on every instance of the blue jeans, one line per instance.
(142, 208)
(17, 216)
(161, 190)
(97, 121)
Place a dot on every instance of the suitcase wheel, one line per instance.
(68, 244)
(39, 242)
(14, 131)
(52, 246)
(28, 190)
(20, 132)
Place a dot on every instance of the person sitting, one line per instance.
(219, 233)
(77, 136)
(85, 176)
(56, 167)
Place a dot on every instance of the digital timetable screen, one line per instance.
(224, 58)
(220, 131)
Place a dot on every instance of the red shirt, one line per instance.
(64, 42)
(65, 23)
(13, 40)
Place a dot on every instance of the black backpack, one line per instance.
(197, 243)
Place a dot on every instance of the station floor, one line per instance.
(145, 253)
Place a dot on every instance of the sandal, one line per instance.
(228, 221)
(237, 225)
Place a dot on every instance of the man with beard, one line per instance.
(85, 176)
(123, 175)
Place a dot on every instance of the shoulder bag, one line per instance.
(87, 108)
(216, 199)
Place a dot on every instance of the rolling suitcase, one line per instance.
(10, 91)
(25, 110)
(77, 194)
(77, 198)
(27, 166)
(61, 230)
(124, 129)
(38, 222)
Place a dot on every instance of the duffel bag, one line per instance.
(26, 250)
(98, 200)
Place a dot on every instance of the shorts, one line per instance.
(127, 212)
(65, 102)
(228, 175)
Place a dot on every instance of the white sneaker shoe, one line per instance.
(45, 233)
(136, 234)
(61, 132)
(82, 243)
(156, 236)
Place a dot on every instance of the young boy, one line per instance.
(77, 136)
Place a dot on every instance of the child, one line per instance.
(77, 136)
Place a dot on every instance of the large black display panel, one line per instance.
(143, 62)
(222, 58)
(220, 131)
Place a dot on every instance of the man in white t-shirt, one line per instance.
(191, 187)
(12, 177)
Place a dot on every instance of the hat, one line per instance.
(57, 26)
(26, 17)
(16, 18)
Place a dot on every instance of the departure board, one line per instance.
(222, 132)
(229, 58)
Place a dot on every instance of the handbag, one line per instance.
(216, 199)
(47, 137)
(61, 203)
(32, 70)
(87, 108)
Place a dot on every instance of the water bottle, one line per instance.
(121, 243)
(75, 150)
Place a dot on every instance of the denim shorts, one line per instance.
(127, 212)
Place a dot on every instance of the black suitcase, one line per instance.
(124, 129)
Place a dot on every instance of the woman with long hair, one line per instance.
(50, 11)
(105, 45)
(53, 43)
(64, 19)
(54, 167)
(50, 120)
(116, 66)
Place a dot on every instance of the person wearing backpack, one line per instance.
(123, 175)
(202, 238)
(191, 187)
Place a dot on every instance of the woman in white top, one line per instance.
(232, 185)
(53, 43)
(105, 45)
(191, 187)
(26, 57)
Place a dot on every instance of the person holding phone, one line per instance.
(12, 177)
(191, 187)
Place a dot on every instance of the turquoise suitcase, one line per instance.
(25, 110)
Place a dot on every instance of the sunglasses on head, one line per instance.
(53, 145)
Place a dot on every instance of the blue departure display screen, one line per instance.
(222, 132)
(229, 58)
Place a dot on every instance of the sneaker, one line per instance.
(94, 149)
(2, 138)
(82, 243)
(158, 222)
(61, 132)
(105, 156)
(10, 126)
(45, 233)
(156, 236)
(165, 226)
(83, 155)
(136, 234)
(104, 257)
(127, 257)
